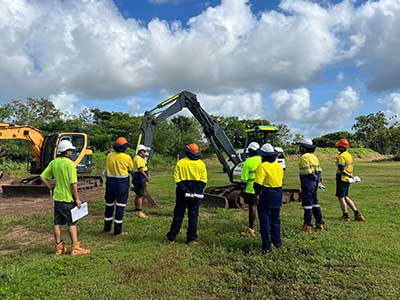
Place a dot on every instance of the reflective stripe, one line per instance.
(117, 176)
(118, 221)
(307, 207)
(189, 195)
(121, 204)
(108, 219)
(200, 196)
(109, 204)
(315, 205)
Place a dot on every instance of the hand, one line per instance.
(257, 199)
(148, 178)
(78, 203)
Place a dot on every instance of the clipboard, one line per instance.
(79, 213)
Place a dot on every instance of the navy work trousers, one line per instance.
(310, 203)
(270, 225)
(117, 192)
(183, 203)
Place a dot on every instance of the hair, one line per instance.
(270, 159)
(120, 148)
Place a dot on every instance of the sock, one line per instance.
(356, 212)
(345, 214)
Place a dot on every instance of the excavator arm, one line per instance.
(212, 130)
(31, 135)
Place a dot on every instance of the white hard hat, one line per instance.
(65, 145)
(253, 146)
(141, 147)
(267, 150)
(308, 143)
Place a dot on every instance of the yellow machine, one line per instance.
(44, 150)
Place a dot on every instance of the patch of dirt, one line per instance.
(20, 206)
(26, 237)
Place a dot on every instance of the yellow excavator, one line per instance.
(44, 150)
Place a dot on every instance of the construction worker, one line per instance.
(190, 177)
(118, 167)
(268, 188)
(248, 175)
(310, 180)
(344, 171)
(65, 196)
(140, 176)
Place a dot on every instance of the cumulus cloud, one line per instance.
(133, 107)
(68, 104)
(289, 106)
(392, 103)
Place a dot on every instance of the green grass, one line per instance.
(348, 261)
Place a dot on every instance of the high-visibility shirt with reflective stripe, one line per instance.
(187, 169)
(309, 165)
(63, 170)
(139, 162)
(269, 174)
(344, 162)
(249, 172)
(119, 165)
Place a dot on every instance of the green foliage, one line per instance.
(330, 139)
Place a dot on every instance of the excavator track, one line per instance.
(33, 186)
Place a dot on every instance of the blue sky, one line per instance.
(313, 65)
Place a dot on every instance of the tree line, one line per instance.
(373, 131)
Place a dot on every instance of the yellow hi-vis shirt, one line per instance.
(309, 164)
(139, 162)
(118, 165)
(187, 169)
(269, 174)
(63, 170)
(344, 161)
(249, 172)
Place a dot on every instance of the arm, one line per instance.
(141, 171)
(74, 188)
(46, 183)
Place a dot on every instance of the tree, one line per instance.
(330, 139)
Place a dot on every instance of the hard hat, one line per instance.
(141, 148)
(193, 149)
(253, 146)
(343, 143)
(267, 150)
(307, 143)
(65, 145)
(121, 141)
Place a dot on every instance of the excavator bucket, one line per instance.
(223, 197)
(24, 190)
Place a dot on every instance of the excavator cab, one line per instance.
(81, 154)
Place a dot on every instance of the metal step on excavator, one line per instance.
(44, 150)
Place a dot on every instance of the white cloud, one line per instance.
(392, 103)
(68, 104)
(133, 107)
(290, 106)
(339, 77)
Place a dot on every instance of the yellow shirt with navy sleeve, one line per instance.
(269, 174)
(309, 165)
(249, 172)
(139, 162)
(118, 165)
(187, 169)
(63, 170)
(344, 161)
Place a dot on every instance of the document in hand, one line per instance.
(354, 179)
(78, 213)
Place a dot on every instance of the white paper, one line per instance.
(354, 179)
(78, 213)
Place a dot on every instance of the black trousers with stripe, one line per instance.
(116, 197)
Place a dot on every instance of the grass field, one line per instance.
(348, 261)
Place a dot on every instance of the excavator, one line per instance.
(44, 150)
(231, 160)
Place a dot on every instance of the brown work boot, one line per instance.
(307, 228)
(77, 250)
(344, 218)
(359, 217)
(320, 227)
(140, 214)
(248, 233)
(61, 248)
(194, 242)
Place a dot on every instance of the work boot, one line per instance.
(359, 217)
(61, 248)
(140, 214)
(248, 233)
(77, 250)
(345, 218)
(320, 227)
(307, 228)
(194, 242)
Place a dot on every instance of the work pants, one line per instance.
(270, 225)
(310, 203)
(117, 192)
(183, 203)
